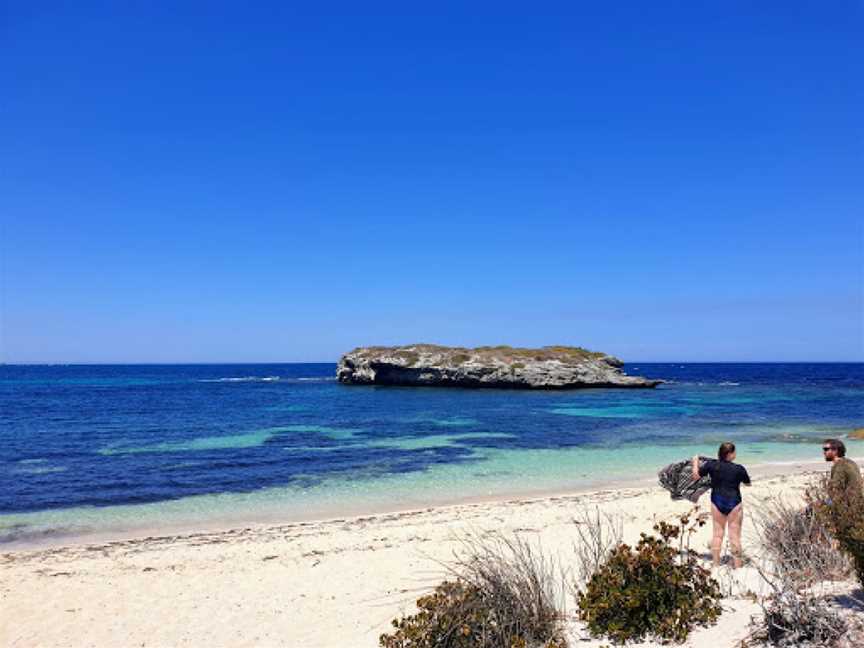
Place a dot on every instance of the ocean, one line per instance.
(88, 450)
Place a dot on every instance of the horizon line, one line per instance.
(53, 363)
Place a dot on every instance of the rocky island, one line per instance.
(551, 367)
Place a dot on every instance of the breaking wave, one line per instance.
(244, 379)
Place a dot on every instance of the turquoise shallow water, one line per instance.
(93, 449)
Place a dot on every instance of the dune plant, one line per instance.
(796, 616)
(502, 594)
(800, 548)
(842, 512)
(655, 589)
(796, 543)
(598, 534)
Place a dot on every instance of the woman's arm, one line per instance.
(696, 474)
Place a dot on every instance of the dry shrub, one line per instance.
(503, 595)
(796, 616)
(798, 552)
(599, 533)
(854, 636)
(797, 545)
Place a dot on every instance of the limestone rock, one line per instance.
(552, 367)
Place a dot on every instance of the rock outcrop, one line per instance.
(553, 367)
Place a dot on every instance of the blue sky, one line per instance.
(213, 182)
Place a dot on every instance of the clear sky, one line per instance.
(269, 181)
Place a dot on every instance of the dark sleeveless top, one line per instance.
(726, 478)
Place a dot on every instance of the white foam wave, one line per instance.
(243, 379)
(727, 383)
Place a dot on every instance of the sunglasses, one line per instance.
(827, 449)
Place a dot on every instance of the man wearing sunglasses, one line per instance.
(845, 475)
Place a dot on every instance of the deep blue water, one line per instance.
(73, 436)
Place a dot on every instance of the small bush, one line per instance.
(795, 617)
(798, 553)
(502, 596)
(655, 590)
(797, 545)
(456, 615)
(843, 514)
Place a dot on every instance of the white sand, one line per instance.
(333, 583)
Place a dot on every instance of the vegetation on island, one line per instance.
(410, 354)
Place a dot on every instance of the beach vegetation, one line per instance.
(843, 514)
(794, 612)
(796, 616)
(654, 590)
(598, 534)
(797, 543)
(800, 549)
(501, 593)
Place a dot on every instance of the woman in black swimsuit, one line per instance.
(726, 480)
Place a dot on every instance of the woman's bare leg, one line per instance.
(719, 531)
(736, 518)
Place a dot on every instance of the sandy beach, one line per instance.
(325, 584)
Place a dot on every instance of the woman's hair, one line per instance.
(725, 450)
(838, 445)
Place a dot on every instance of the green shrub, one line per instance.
(843, 514)
(655, 590)
(457, 615)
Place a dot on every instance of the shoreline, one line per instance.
(228, 525)
(328, 583)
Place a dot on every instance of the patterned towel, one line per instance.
(677, 478)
